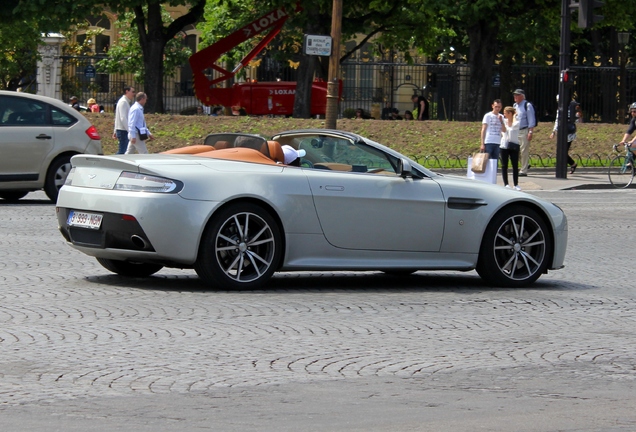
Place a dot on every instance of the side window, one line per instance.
(19, 111)
(60, 118)
(341, 154)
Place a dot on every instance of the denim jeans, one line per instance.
(493, 151)
(122, 136)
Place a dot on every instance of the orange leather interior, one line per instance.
(276, 151)
(222, 150)
(335, 166)
(193, 149)
(242, 154)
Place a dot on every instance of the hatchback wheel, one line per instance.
(56, 176)
(12, 196)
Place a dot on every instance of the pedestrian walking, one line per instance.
(420, 107)
(527, 123)
(138, 132)
(120, 133)
(571, 124)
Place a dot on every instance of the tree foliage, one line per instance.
(124, 54)
(18, 54)
(153, 33)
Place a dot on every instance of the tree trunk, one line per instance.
(153, 37)
(307, 68)
(481, 57)
(153, 42)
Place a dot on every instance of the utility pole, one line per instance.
(564, 91)
(331, 116)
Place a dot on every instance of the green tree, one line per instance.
(154, 34)
(124, 55)
(395, 24)
(18, 54)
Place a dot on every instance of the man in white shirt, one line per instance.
(527, 122)
(121, 119)
(137, 128)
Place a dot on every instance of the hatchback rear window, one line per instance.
(61, 118)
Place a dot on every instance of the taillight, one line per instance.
(92, 133)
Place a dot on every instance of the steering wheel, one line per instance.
(306, 163)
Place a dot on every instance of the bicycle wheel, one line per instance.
(620, 175)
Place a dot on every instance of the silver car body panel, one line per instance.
(330, 220)
(29, 150)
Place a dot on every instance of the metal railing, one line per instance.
(592, 160)
(374, 85)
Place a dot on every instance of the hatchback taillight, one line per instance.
(92, 133)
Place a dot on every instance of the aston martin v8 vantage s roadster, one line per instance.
(239, 208)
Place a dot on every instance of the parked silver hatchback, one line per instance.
(38, 137)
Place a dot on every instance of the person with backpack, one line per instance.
(527, 122)
(571, 123)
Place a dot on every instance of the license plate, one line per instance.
(85, 220)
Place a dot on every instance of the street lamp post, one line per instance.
(623, 40)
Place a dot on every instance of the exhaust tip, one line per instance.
(138, 242)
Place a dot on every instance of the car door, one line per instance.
(370, 212)
(362, 203)
(26, 138)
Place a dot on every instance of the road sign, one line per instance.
(317, 45)
(89, 71)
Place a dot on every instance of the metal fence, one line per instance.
(373, 85)
(81, 77)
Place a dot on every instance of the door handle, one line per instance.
(43, 136)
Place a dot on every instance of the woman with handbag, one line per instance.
(138, 133)
(510, 147)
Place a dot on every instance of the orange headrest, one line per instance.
(275, 151)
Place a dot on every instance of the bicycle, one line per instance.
(621, 167)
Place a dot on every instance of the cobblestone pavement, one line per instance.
(82, 349)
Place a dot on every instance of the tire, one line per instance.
(620, 176)
(12, 196)
(240, 248)
(56, 176)
(128, 269)
(516, 248)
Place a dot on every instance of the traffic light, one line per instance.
(565, 76)
(586, 13)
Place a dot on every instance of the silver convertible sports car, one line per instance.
(240, 207)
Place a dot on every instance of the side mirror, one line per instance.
(404, 168)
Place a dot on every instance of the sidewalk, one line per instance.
(545, 179)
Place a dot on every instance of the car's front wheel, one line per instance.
(129, 269)
(56, 176)
(240, 249)
(515, 249)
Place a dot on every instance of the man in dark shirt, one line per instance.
(75, 103)
(421, 105)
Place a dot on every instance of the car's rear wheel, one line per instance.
(56, 176)
(129, 269)
(240, 249)
(515, 249)
(12, 196)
